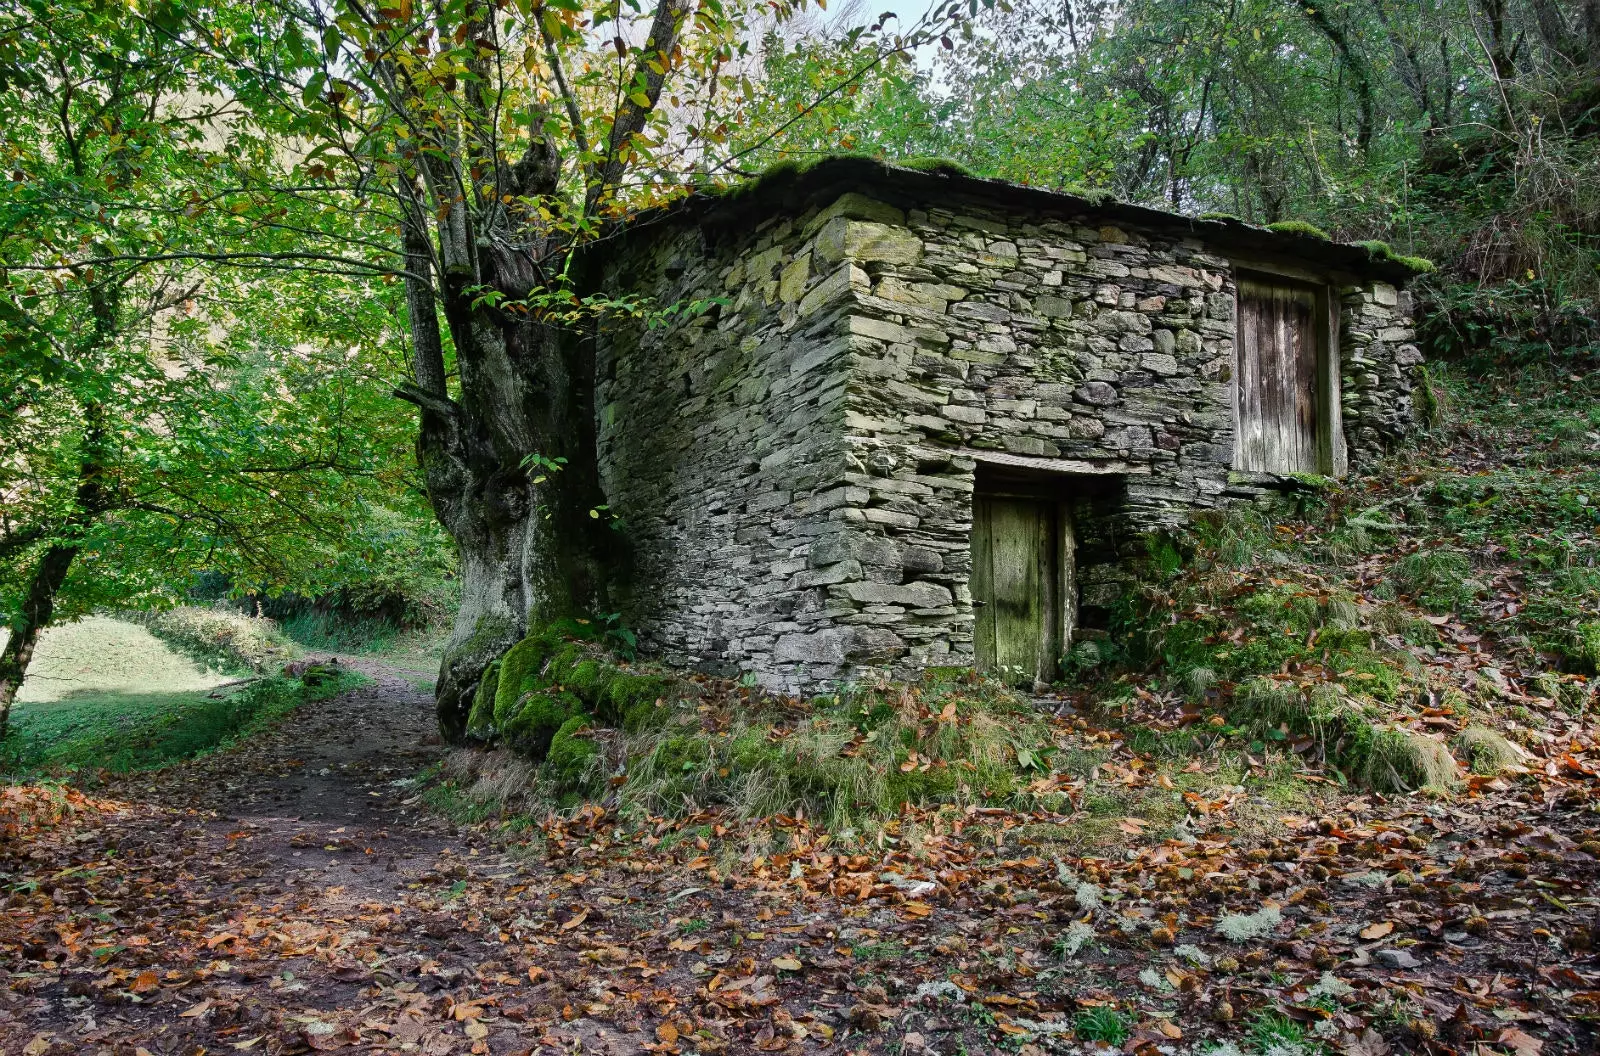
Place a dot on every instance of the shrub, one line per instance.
(221, 637)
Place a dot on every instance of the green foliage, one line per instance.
(162, 414)
(221, 637)
(1440, 579)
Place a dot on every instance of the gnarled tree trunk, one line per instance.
(532, 544)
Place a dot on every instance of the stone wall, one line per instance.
(723, 448)
(1380, 365)
(795, 468)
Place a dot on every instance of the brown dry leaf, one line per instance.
(787, 963)
(197, 1011)
(582, 916)
(1520, 1043)
(1377, 930)
(476, 1029)
(666, 1033)
(147, 981)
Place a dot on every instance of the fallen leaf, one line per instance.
(787, 963)
(197, 1011)
(1378, 930)
(1522, 1044)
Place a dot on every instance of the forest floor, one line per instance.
(292, 894)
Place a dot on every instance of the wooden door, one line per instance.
(1278, 418)
(1022, 587)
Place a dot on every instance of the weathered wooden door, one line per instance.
(1022, 588)
(1279, 414)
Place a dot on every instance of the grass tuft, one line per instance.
(1487, 751)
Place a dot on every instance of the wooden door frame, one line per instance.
(1333, 459)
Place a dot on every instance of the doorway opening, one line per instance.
(1024, 583)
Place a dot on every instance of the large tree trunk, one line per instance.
(37, 608)
(510, 461)
(533, 542)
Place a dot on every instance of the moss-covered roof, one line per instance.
(795, 186)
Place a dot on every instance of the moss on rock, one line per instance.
(571, 752)
(557, 673)
(1299, 227)
(532, 727)
(480, 720)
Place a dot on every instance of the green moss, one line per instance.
(631, 700)
(571, 753)
(480, 720)
(937, 165)
(1222, 217)
(519, 670)
(1382, 251)
(1096, 196)
(1299, 227)
(532, 725)
(584, 676)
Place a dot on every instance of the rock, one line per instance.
(1396, 959)
(1096, 394)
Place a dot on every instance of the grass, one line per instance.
(106, 694)
(124, 732)
(1101, 1024)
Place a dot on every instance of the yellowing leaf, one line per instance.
(787, 963)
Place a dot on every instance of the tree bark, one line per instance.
(37, 609)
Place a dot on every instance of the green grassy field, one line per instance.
(105, 694)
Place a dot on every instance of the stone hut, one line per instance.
(923, 418)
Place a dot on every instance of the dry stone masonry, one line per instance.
(795, 467)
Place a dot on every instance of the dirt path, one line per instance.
(288, 895)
